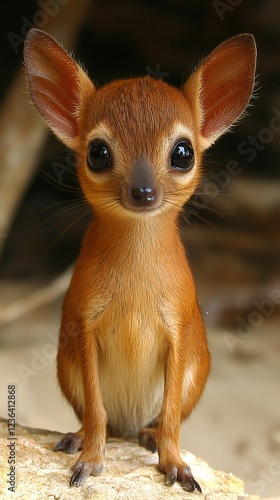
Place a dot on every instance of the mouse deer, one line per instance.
(133, 357)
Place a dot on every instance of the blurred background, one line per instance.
(231, 228)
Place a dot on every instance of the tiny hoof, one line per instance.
(70, 443)
(191, 485)
(83, 470)
(80, 474)
(171, 475)
(148, 439)
(183, 475)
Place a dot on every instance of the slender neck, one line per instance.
(130, 237)
(130, 253)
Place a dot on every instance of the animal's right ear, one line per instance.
(57, 85)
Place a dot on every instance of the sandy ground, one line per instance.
(235, 427)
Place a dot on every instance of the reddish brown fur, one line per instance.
(133, 356)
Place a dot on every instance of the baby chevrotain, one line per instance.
(133, 357)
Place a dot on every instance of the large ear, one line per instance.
(220, 88)
(57, 84)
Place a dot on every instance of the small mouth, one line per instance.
(144, 210)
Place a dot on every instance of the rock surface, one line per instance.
(130, 472)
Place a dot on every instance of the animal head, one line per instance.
(139, 142)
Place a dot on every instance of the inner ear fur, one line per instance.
(220, 88)
(57, 84)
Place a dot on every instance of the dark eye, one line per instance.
(99, 156)
(182, 156)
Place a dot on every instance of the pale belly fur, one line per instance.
(131, 370)
(132, 382)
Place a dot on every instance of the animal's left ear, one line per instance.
(220, 88)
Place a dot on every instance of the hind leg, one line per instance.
(72, 442)
(148, 437)
(70, 381)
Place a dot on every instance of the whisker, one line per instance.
(70, 209)
(60, 236)
(198, 216)
(53, 181)
(186, 213)
(193, 203)
(69, 206)
(63, 202)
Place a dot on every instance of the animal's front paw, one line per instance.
(83, 470)
(70, 443)
(181, 473)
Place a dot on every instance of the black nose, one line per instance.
(143, 190)
(143, 196)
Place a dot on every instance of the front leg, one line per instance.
(168, 432)
(91, 459)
